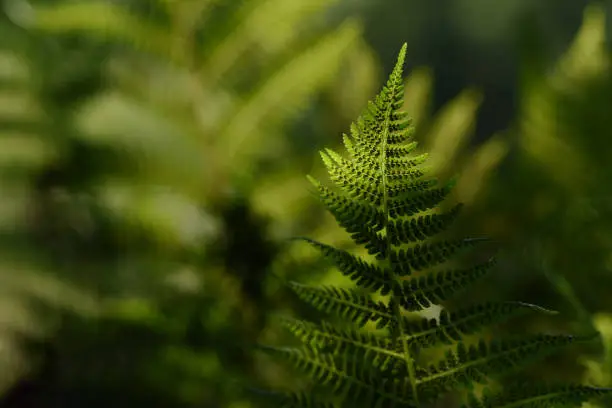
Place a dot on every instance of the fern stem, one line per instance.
(395, 304)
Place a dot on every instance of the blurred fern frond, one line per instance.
(133, 113)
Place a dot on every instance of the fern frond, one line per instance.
(420, 203)
(380, 199)
(348, 304)
(477, 363)
(422, 256)
(347, 377)
(452, 327)
(361, 272)
(421, 292)
(346, 342)
(351, 215)
(543, 396)
(404, 231)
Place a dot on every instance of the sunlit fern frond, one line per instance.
(382, 200)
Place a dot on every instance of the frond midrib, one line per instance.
(383, 159)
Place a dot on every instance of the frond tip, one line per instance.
(380, 196)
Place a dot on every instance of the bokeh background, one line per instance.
(152, 163)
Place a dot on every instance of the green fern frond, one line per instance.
(355, 379)
(422, 256)
(352, 215)
(348, 304)
(417, 229)
(467, 365)
(420, 203)
(345, 341)
(421, 292)
(382, 200)
(365, 274)
(546, 396)
(451, 327)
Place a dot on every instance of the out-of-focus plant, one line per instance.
(556, 210)
(28, 283)
(447, 136)
(221, 80)
(599, 371)
(157, 117)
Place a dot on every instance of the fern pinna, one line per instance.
(384, 202)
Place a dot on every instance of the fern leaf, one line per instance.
(476, 363)
(417, 204)
(404, 231)
(347, 304)
(452, 327)
(352, 215)
(422, 256)
(363, 273)
(347, 377)
(346, 341)
(423, 291)
(547, 396)
(379, 198)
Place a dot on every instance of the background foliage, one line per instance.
(153, 159)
